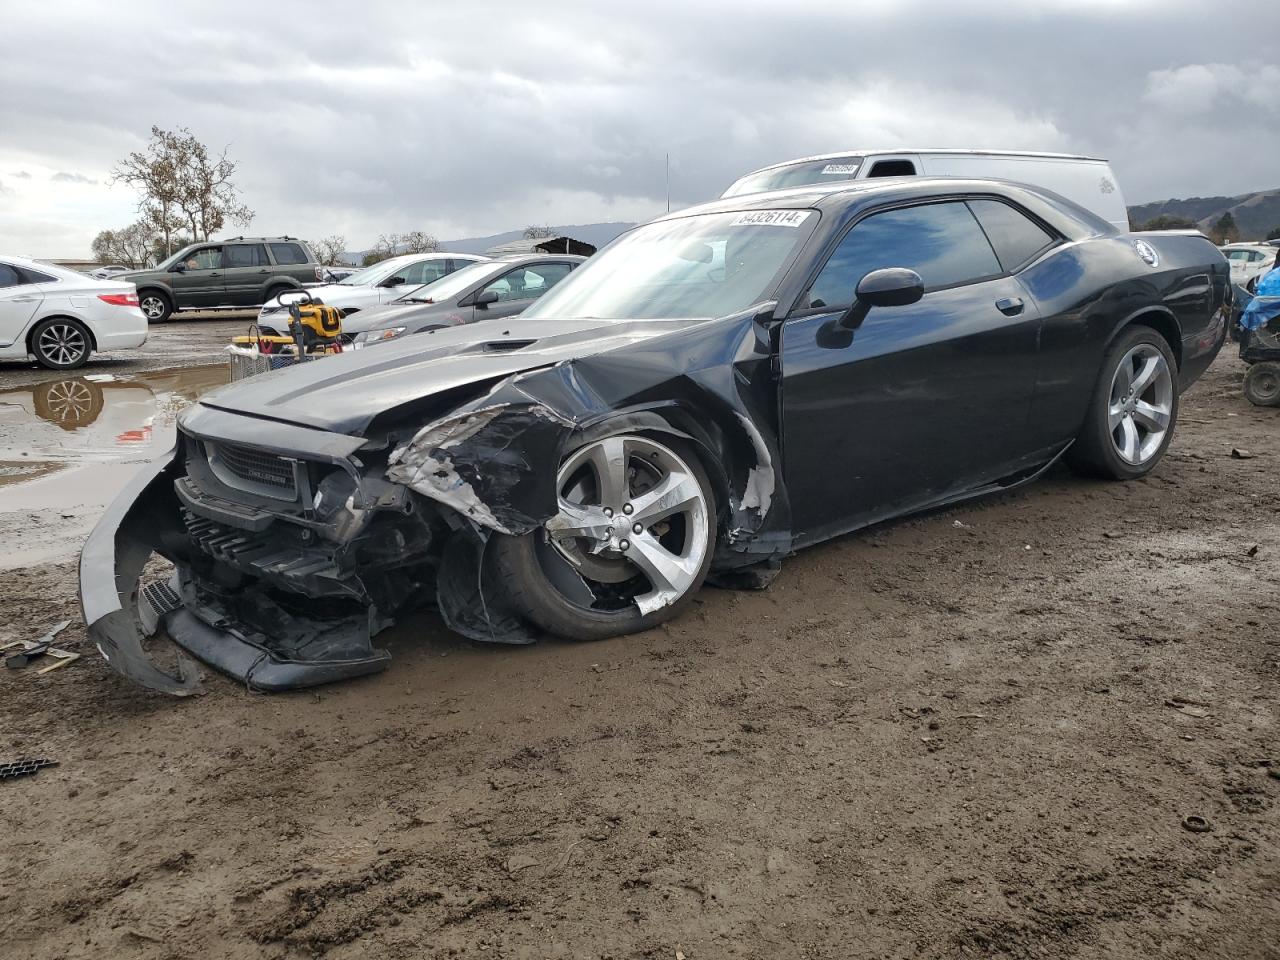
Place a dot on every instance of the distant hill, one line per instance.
(596, 234)
(1255, 214)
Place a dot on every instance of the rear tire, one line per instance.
(1262, 385)
(60, 343)
(567, 590)
(1133, 410)
(155, 306)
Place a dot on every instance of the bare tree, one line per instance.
(132, 247)
(330, 249)
(534, 232)
(416, 241)
(182, 185)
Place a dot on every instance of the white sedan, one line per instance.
(1249, 260)
(373, 286)
(60, 316)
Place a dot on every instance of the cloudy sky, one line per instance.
(473, 118)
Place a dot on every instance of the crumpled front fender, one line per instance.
(111, 564)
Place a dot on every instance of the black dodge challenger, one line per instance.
(713, 391)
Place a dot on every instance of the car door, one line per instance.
(920, 402)
(199, 281)
(518, 288)
(245, 270)
(19, 300)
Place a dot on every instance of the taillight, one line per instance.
(119, 299)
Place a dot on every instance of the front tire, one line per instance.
(155, 306)
(61, 343)
(1133, 410)
(1262, 385)
(629, 548)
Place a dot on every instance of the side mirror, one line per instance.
(486, 298)
(179, 268)
(890, 287)
(394, 281)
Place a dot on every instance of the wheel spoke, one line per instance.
(676, 492)
(666, 572)
(1129, 445)
(1153, 417)
(609, 461)
(1146, 375)
(578, 521)
(1115, 413)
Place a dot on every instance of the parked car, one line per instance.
(61, 316)
(712, 391)
(109, 272)
(241, 272)
(381, 283)
(1249, 261)
(482, 291)
(332, 272)
(1088, 181)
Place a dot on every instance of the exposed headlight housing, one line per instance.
(366, 337)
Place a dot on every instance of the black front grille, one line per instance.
(256, 467)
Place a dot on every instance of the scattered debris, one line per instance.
(24, 767)
(33, 650)
(1238, 454)
(1187, 707)
(520, 862)
(1196, 824)
(1252, 551)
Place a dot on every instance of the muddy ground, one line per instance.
(976, 733)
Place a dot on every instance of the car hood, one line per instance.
(133, 276)
(343, 393)
(395, 314)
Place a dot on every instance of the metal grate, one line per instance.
(257, 467)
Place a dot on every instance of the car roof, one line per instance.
(1073, 220)
(917, 150)
(519, 258)
(1247, 245)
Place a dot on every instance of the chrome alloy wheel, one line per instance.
(1140, 411)
(633, 522)
(152, 307)
(70, 401)
(62, 343)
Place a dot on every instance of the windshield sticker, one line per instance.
(771, 218)
(840, 168)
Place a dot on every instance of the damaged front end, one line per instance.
(288, 557)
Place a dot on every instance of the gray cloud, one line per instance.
(72, 178)
(464, 121)
(22, 175)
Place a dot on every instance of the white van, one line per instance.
(1086, 180)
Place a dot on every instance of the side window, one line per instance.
(206, 258)
(514, 285)
(940, 241)
(9, 276)
(245, 255)
(1016, 238)
(1238, 255)
(892, 168)
(424, 271)
(287, 254)
(30, 276)
(541, 277)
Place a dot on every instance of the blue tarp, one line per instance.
(1266, 303)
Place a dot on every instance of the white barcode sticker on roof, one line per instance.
(771, 218)
(840, 168)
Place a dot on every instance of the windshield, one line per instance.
(375, 274)
(710, 265)
(180, 255)
(830, 170)
(450, 285)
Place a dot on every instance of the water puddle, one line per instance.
(69, 444)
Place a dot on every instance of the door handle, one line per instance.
(264, 271)
(1010, 306)
(23, 299)
(215, 275)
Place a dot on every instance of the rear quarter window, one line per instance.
(288, 254)
(1017, 238)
